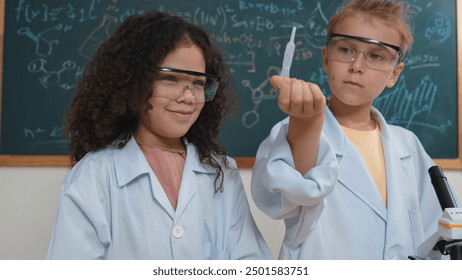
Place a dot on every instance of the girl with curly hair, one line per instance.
(149, 179)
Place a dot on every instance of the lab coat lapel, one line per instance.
(160, 195)
(352, 168)
(131, 163)
(188, 187)
(398, 177)
(354, 175)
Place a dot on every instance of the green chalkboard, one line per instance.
(48, 43)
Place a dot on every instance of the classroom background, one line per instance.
(36, 82)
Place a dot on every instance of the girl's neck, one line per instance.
(166, 144)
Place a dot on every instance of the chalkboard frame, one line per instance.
(242, 162)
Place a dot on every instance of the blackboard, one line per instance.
(48, 43)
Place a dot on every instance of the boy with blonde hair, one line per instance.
(347, 184)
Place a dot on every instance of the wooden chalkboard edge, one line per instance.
(35, 161)
(64, 161)
(449, 164)
(456, 164)
(56, 161)
(244, 162)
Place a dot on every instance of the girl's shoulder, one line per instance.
(97, 164)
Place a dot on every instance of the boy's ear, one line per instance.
(325, 56)
(395, 76)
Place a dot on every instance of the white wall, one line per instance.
(28, 200)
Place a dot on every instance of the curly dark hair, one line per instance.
(117, 83)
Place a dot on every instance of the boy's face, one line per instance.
(359, 71)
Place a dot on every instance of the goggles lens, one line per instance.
(378, 55)
(172, 83)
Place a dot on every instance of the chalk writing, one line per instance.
(98, 36)
(271, 8)
(422, 60)
(34, 11)
(43, 46)
(53, 77)
(257, 24)
(438, 28)
(403, 107)
(315, 28)
(259, 93)
(54, 132)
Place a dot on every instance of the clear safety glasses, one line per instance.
(172, 84)
(377, 55)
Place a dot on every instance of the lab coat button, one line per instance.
(391, 253)
(177, 231)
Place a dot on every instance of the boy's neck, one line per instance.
(354, 117)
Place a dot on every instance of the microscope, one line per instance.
(448, 238)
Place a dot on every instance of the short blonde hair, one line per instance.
(393, 13)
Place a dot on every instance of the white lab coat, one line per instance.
(334, 211)
(113, 207)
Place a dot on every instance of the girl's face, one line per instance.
(359, 81)
(174, 108)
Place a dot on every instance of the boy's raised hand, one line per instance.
(305, 104)
(298, 98)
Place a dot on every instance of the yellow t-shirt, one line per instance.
(369, 145)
